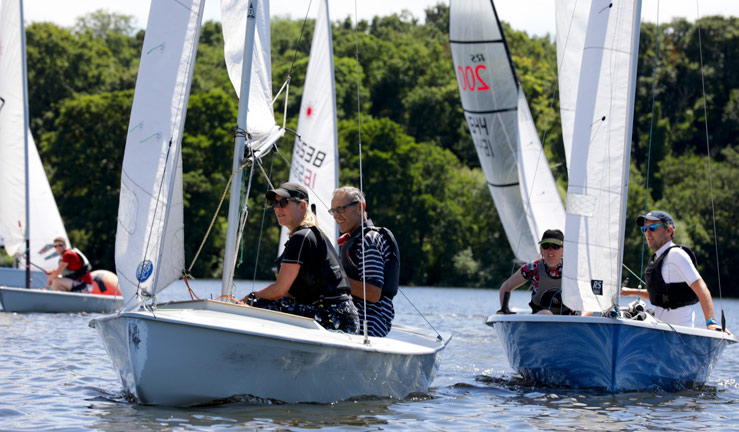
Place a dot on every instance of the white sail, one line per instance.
(45, 221)
(544, 209)
(571, 18)
(490, 98)
(315, 154)
(599, 158)
(150, 236)
(261, 119)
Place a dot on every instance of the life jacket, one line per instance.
(329, 283)
(391, 266)
(548, 294)
(77, 274)
(668, 295)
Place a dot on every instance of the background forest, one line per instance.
(421, 174)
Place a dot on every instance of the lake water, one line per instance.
(55, 374)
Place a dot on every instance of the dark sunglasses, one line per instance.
(59, 245)
(281, 203)
(546, 246)
(652, 227)
(341, 209)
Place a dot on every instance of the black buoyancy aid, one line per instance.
(391, 266)
(546, 296)
(77, 274)
(334, 283)
(668, 295)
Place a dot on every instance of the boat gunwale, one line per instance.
(339, 340)
(491, 320)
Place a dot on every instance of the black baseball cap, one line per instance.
(656, 215)
(553, 236)
(289, 190)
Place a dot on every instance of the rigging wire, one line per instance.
(361, 184)
(649, 147)
(708, 158)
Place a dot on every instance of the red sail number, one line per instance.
(470, 79)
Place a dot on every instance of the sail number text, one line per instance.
(469, 76)
(306, 157)
(480, 134)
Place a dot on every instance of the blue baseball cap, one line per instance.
(656, 215)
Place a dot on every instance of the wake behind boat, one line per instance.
(194, 352)
(616, 349)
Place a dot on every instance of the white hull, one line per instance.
(16, 277)
(190, 353)
(38, 300)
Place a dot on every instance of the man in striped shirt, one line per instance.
(372, 265)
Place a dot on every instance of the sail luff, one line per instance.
(598, 169)
(150, 232)
(44, 222)
(229, 260)
(490, 94)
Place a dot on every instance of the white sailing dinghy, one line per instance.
(597, 45)
(195, 352)
(28, 212)
(502, 128)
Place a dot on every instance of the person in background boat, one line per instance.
(377, 275)
(673, 282)
(73, 272)
(310, 281)
(545, 276)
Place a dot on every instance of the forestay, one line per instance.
(315, 154)
(490, 98)
(150, 236)
(45, 222)
(600, 146)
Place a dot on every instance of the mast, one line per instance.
(25, 146)
(229, 260)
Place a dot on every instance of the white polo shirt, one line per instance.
(677, 267)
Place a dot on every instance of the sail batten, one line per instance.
(600, 86)
(501, 127)
(150, 233)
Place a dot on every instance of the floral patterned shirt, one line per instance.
(530, 271)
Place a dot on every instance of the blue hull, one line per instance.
(606, 353)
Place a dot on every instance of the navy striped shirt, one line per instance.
(376, 253)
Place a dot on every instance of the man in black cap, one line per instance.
(673, 282)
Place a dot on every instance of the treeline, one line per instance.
(420, 171)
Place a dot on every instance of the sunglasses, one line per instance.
(281, 203)
(59, 245)
(341, 209)
(652, 227)
(546, 246)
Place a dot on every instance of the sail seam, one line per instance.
(491, 111)
(476, 41)
(503, 185)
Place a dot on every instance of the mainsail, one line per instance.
(600, 145)
(45, 222)
(315, 154)
(500, 124)
(150, 236)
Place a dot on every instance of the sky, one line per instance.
(536, 17)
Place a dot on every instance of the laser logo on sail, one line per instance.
(144, 270)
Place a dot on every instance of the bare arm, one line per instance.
(513, 282)
(56, 272)
(704, 296)
(373, 292)
(634, 292)
(279, 289)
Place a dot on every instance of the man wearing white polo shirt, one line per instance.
(673, 282)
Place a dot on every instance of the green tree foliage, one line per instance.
(421, 172)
